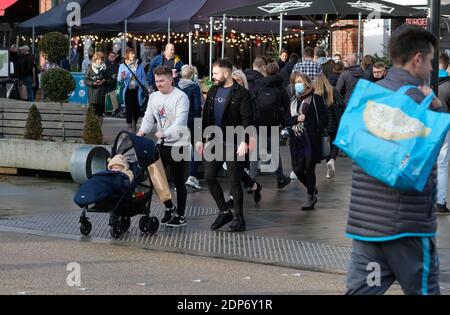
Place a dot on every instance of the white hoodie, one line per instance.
(170, 112)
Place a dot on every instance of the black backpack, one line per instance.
(268, 106)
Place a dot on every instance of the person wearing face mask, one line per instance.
(306, 119)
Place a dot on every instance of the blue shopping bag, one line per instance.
(390, 136)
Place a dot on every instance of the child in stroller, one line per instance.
(125, 190)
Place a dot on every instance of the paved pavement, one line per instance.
(277, 216)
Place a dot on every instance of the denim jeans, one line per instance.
(442, 162)
(28, 81)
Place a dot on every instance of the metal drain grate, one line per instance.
(244, 246)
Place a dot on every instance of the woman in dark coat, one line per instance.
(97, 79)
(306, 119)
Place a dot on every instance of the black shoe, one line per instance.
(222, 219)
(238, 224)
(310, 203)
(283, 182)
(168, 215)
(230, 204)
(441, 209)
(257, 193)
(177, 221)
(250, 190)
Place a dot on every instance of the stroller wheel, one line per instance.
(153, 225)
(144, 224)
(86, 228)
(149, 225)
(125, 223)
(116, 231)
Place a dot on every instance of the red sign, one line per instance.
(421, 22)
(5, 4)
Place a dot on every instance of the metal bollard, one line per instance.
(87, 161)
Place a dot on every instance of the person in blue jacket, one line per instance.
(169, 59)
(133, 91)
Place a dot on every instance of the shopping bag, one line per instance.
(390, 136)
(23, 92)
(159, 181)
(119, 91)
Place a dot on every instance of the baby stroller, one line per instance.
(114, 192)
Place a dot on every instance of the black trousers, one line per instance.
(178, 170)
(234, 173)
(305, 169)
(334, 149)
(132, 105)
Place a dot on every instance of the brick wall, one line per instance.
(346, 41)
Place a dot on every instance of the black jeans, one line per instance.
(234, 173)
(132, 105)
(305, 169)
(178, 171)
(334, 149)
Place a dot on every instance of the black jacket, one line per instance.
(253, 77)
(348, 80)
(276, 82)
(26, 66)
(314, 128)
(444, 94)
(113, 72)
(238, 110)
(286, 73)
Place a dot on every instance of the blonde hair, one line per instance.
(241, 75)
(324, 88)
(97, 56)
(187, 72)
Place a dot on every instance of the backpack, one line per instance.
(268, 106)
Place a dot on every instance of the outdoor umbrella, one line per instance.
(328, 11)
(56, 18)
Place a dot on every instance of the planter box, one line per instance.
(78, 159)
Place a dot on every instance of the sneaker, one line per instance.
(257, 193)
(223, 218)
(331, 171)
(293, 176)
(168, 215)
(193, 182)
(442, 209)
(283, 182)
(177, 221)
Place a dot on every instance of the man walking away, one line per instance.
(327, 64)
(349, 78)
(255, 75)
(444, 155)
(394, 231)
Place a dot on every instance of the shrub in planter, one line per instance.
(57, 85)
(55, 46)
(33, 128)
(92, 128)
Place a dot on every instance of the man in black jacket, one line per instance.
(112, 66)
(394, 231)
(255, 74)
(26, 71)
(349, 78)
(227, 107)
(287, 69)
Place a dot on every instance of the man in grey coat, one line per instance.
(394, 231)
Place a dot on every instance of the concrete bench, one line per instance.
(58, 123)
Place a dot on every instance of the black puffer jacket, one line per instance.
(380, 213)
(254, 79)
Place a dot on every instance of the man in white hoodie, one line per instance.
(169, 109)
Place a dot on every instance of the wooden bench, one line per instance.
(58, 123)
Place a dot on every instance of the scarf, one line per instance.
(133, 67)
(98, 68)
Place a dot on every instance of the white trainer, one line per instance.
(331, 170)
(193, 182)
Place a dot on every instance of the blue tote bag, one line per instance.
(390, 136)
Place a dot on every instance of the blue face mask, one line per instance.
(299, 88)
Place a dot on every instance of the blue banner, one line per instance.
(80, 95)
